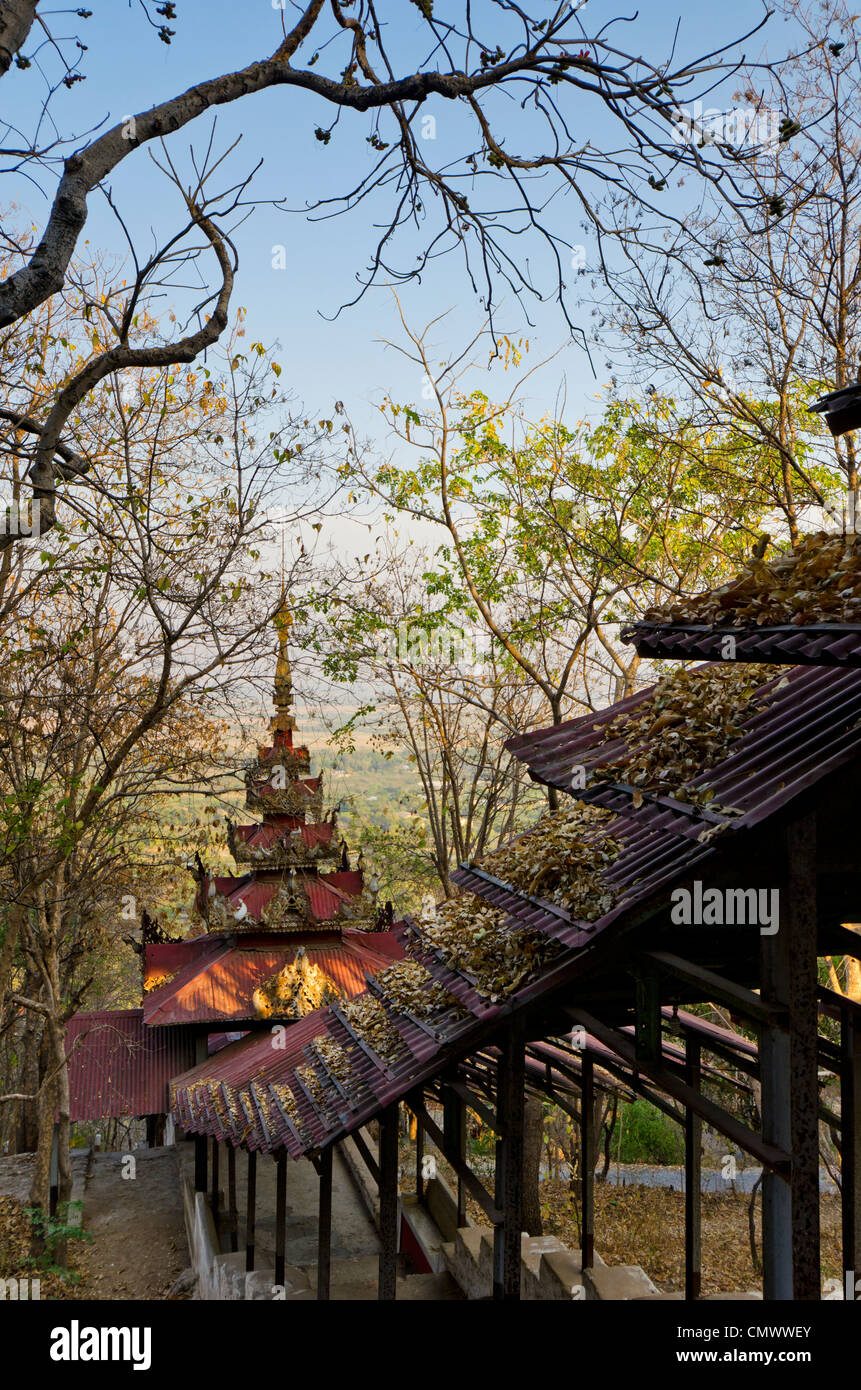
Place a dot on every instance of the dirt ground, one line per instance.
(138, 1245)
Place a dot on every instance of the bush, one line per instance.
(647, 1136)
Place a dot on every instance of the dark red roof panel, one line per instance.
(269, 833)
(219, 988)
(813, 644)
(810, 728)
(805, 725)
(118, 1066)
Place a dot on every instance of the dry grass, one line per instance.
(646, 1226)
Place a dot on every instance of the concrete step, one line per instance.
(358, 1281)
(619, 1283)
(428, 1287)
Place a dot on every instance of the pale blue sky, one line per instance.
(129, 69)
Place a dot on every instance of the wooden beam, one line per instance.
(370, 1162)
(388, 1195)
(693, 1178)
(840, 941)
(740, 1000)
(324, 1225)
(647, 1014)
(773, 1157)
(473, 1103)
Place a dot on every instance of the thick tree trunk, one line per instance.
(533, 1140)
(29, 1075)
(40, 1186)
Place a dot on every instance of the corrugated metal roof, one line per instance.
(169, 957)
(219, 988)
(326, 893)
(117, 1066)
(813, 644)
(810, 728)
(803, 724)
(269, 833)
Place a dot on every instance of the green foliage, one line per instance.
(647, 1136)
(51, 1231)
(402, 855)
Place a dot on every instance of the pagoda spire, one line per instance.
(283, 720)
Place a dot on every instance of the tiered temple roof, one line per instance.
(292, 926)
(296, 927)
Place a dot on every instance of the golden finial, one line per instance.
(283, 689)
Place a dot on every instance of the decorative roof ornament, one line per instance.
(283, 719)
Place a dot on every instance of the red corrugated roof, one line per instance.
(324, 899)
(810, 729)
(347, 881)
(326, 894)
(117, 1066)
(165, 958)
(219, 989)
(811, 644)
(266, 834)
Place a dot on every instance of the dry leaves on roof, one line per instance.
(817, 582)
(687, 726)
(314, 1084)
(561, 859)
(370, 1022)
(411, 988)
(334, 1058)
(260, 1094)
(287, 1101)
(471, 936)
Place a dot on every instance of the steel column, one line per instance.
(280, 1214)
(232, 1213)
(509, 1163)
(388, 1190)
(587, 1168)
(420, 1159)
(324, 1225)
(214, 1187)
(790, 1093)
(850, 1150)
(200, 1144)
(693, 1177)
(454, 1129)
(251, 1209)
